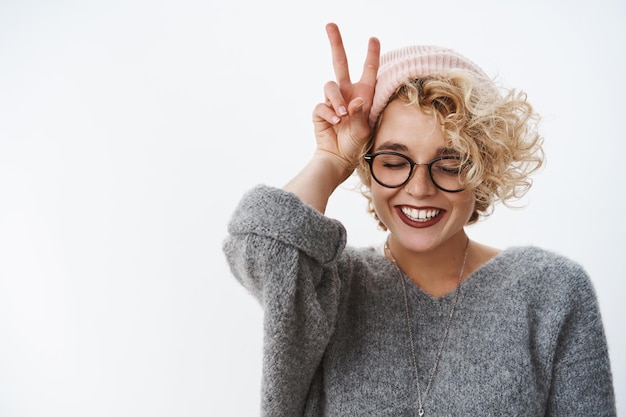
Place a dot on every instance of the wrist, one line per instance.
(335, 168)
(315, 183)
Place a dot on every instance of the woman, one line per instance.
(433, 323)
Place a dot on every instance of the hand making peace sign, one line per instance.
(341, 122)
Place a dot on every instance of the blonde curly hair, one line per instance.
(495, 134)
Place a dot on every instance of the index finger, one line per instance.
(340, 61)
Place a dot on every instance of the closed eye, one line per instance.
(449, 170)
(449, 166)
(399, 165)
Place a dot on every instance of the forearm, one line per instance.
(315, 183)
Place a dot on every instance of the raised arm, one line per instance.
(340, 125)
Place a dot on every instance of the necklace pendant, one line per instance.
(421, 412)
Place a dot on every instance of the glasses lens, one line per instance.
(448, 174)
(390, 169)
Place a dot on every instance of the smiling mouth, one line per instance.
(420, 215)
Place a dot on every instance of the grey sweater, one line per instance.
(526, 339)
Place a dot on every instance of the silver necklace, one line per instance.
(421, 400)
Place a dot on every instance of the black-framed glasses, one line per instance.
(393, 170)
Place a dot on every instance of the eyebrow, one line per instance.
(392, 146)
(399, 147)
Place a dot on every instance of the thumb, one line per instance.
(359, 125)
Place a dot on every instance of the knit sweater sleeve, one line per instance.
(283, 251)
(581, 374)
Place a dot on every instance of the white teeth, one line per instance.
(420, 215)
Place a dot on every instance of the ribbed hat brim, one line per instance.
(399, 65)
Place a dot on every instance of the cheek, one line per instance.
(380, 200)
(379, 194)
(466, 204)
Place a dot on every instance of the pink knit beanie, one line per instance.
(412, 62)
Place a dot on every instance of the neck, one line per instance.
(437, 271)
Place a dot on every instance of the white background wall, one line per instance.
(129, 130)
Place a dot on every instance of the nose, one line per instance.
(420, 184)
